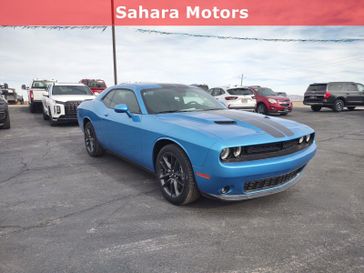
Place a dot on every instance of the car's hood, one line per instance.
(238, 127)
(65, 98)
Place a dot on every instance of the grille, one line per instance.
(70, 108)
(270, 182)
(284, 104)
(262, 151)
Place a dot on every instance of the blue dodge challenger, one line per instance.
(195, 145)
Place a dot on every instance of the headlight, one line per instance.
(272, 100)
(308, 138)
(225, 153)
(301, 139)
(237, 151)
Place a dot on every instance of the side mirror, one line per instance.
(24, 87)
(122, 108)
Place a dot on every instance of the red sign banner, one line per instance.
(181, 12)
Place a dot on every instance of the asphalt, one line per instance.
(63, 211)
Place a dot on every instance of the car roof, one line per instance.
(67, 84)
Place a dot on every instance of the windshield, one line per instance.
(178, 99)
(266, 92)
(240, 92)
(71, 90)
(40, 84)
(97, 84)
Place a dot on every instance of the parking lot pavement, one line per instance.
(62, 211)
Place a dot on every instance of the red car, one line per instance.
(96, 86)
(268, 102)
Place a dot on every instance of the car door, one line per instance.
(353, 95)
(122, 133)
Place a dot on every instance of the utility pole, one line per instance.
(113, 42)
(241, 79)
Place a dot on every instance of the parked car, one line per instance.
(10, 95)
(4, 112)
(195, 145)
(237, 97)
(334, 95)
(202, 86)
(35, 93)
(60, 101)
(96, 86)
(268, 102)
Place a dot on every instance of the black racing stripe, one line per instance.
(258, 122)
(280, 127)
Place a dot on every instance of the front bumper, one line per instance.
(260, 193)
(279, 109)
(236, 175)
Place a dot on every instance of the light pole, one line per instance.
(241, 79)
(113, 42)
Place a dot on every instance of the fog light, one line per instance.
(308, 137)
(225, 153)
(301, 140)
(225, 189)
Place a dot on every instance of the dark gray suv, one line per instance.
(4, 113)
(334, 95)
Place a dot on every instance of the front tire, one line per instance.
(50, 119)
(261, 109)
(175, 174)
(93, 147)
(316, 108)
(45, 116)
(338, 105)
(7, 121)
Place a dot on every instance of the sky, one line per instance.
(70, 55)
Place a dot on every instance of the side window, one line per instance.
(352, 87)
(360, 87)
(125, 96)
(107, 99)
(220, 91)
(213, 92)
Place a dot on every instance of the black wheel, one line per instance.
(32, 108)
(175, 174)
(315, 108)
(7, 121)
(338, 105)
(45, 116)
(50, 119)
(351, 108)
(261, 109)
(93, 147)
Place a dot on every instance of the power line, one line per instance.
(346, 40)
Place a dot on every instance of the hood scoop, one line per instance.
(225, 122)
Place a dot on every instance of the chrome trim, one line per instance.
(259, 193)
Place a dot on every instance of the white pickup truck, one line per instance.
(35, 93)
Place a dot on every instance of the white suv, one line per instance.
(61, 100)
(237, 97)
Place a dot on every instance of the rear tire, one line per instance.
(351, 108)
(261, 109)
(175, 174)
(315, 108)
(7, 121)
(32, 108)
(93, 147)
(338, 105)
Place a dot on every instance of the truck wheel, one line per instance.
(93, 147)
(338, 105)
(315, 108)
(175, 174)
(32, 108)
(50, 119)
(351, 108)
(7, 121)
(261, 109)
(45, 116)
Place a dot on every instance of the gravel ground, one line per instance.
(62, 211)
